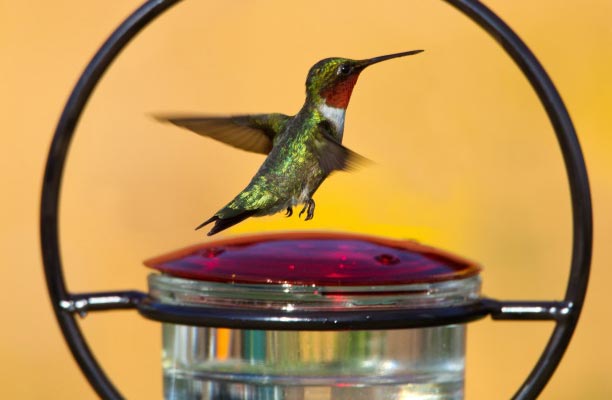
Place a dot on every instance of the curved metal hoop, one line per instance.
(565, 313)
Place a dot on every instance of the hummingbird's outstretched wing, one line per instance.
(332, 155)
(253, 133)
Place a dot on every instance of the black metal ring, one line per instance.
(52, 184)
(579, 188)
(65, 305)
(312, 320)
(350, 319)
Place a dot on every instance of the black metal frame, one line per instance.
(565, 313)
(355, 320)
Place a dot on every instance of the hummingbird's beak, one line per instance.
(366, 63)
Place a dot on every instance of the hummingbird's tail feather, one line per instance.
(208, 221)
(224, 223)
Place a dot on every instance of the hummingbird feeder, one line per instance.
(316, 315)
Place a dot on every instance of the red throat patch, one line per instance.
(338, 96)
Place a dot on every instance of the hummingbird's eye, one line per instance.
(344, 69)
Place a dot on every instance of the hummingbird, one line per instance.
(302, 150)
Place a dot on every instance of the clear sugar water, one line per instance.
(216, 363)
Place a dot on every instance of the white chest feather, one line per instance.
(335, 116)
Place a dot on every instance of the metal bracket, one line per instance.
(565, 312)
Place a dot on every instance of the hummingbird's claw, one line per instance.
(309, 208)
(310, 212)
(289, 212)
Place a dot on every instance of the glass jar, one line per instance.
(318, 273)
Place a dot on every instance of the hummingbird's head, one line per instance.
(332, 80)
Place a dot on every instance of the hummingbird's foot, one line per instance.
(289, 212)
(309, 208)
(310, 211)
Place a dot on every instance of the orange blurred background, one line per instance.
(465, 160)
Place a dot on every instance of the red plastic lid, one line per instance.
(314, 258)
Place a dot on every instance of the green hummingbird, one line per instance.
(302, 149)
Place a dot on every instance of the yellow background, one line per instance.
(465, 160)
